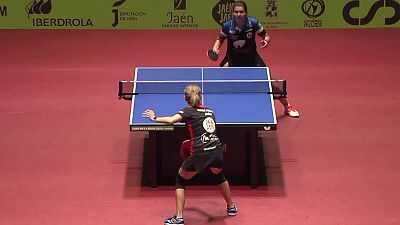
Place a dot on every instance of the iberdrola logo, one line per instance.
(38, 7)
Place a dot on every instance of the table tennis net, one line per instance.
(277, 88)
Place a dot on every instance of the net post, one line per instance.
(119, 89)
(284, 89)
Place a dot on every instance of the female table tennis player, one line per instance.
(205, 151)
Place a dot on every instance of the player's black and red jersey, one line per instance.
(200, 123)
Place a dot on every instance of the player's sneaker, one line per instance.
(174, 220)
(232, 210)
(291, 111)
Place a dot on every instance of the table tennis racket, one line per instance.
(185, 149)
(212, 55)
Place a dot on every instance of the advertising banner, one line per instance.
(195, 14)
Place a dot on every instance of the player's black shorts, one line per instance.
(199, 163)
(255, 61)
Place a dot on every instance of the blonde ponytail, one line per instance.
(193, 95)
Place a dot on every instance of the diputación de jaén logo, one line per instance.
(125, 16)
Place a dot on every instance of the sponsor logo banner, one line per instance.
(196, 14)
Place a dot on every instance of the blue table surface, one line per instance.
(240, 108)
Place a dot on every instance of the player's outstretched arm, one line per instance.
(149, 113)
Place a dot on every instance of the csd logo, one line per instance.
(371, 13)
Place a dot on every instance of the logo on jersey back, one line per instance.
(209, 125)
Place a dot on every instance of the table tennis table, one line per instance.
(240, 98)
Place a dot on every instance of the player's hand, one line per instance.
(264, 43)
(216, 51)
(149, 113)
(213, 54)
